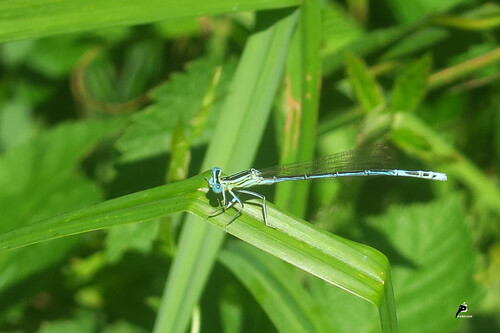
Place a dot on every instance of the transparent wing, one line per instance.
(364, 158)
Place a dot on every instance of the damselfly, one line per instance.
(362, 162)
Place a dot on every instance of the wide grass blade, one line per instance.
(136, 207)
(300, 138)
(233, 147)
(354, 267)
(277, 288)
(38, 18)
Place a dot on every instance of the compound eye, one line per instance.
(217, 188)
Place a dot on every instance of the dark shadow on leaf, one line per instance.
(267, 18)
(373, 237)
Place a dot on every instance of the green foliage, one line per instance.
(433, 243)
(121, 97)
(245, 111)
(266, 278)
(40, 179)
(37, 18)
(410, 86)
(367, 90)
(179, 99)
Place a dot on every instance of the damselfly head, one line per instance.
(214, 181)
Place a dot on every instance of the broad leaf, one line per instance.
(368, 92)
(411, 85)
(178, 99)
(41, 179)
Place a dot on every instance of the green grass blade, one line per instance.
(468, 23)
(354, 267)
(137, 207)
(287, 122)
(311, 75)
(140, 237)
(232, 148)
(366, 45)
(451, 74)
(301, 141)
(277, 289)
(387, 306)
(38, 18)
(418, 41)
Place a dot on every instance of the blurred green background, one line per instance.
(103, 99)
